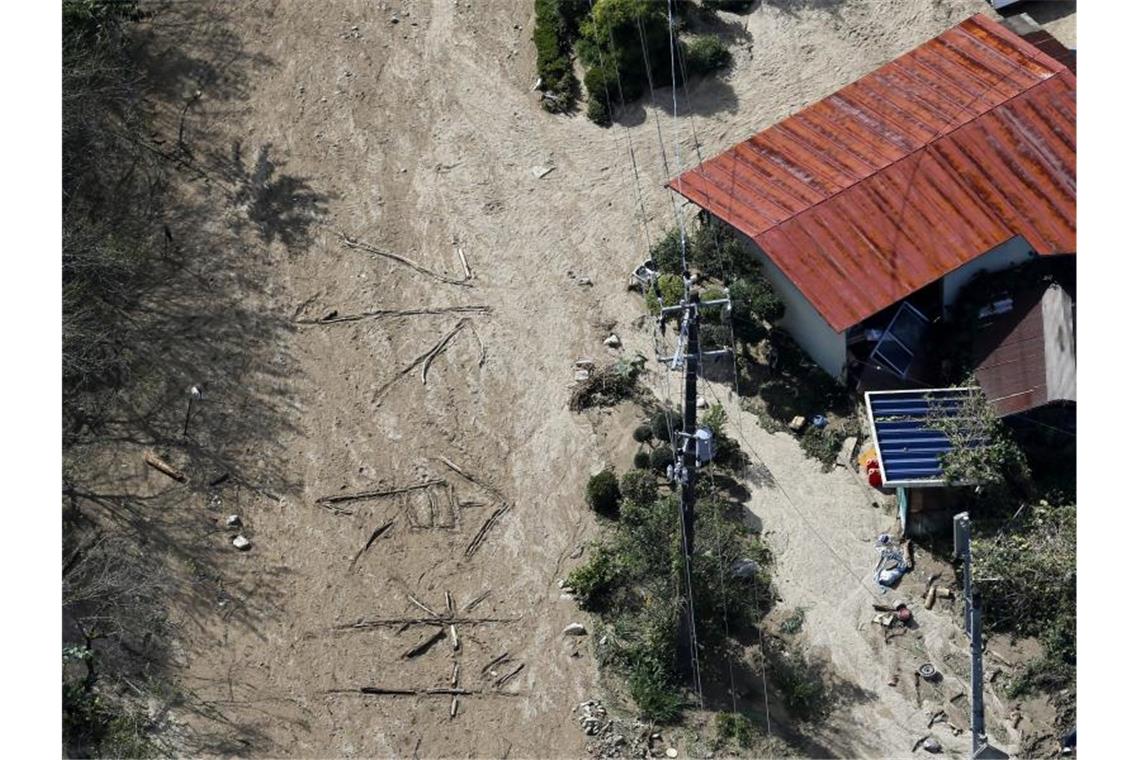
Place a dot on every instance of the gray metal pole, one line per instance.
(977, 705)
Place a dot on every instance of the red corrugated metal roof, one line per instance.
(908, 173)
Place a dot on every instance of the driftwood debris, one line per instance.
(424, 645)
(438, 621)
(481, 535)
(476, 601)
(334, 319)
(467, 273)
(454, 706)
(454, 637)
(423, 606)
(157, 463)
(376, 534)
(359, 245)
(424, 359)
(450, 603)
(501, 658)
(502, 680)
(471, 478)
(375, 493)
(383, 691)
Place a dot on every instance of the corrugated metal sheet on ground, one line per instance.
(908, 173)
(909, 443)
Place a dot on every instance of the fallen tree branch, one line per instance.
(390, 313)
(476, 601)
(392, 622)
(358, 245)
(371, 540)
(471, 478)
(494, 662)
(423, 607)
(376, 494)
(481, 535)
(439, 349)
(502, 680)
(424, 645)
(425, 356)
(154, 461)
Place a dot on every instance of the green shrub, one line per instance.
(555, 27)
(593, 581)
(663, 423)
(660, 458)
(715, 418)
(643, 433)
(603, 493)
(655, 696)
(734, 727)
(672, 289)
(641, 460)
(705, 54)
(755, 298)
(800, 683)
(823, 445)
(611, 36)
(598, 112)
(639, 487)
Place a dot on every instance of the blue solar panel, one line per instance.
(910, 445)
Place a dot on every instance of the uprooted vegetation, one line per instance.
(634, 576)
(609, 385)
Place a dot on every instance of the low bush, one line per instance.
(641, 460)
(823, 445)
(660, 458)
(734, 727)
(705, 54)
(730, 6)
(672, 289)
(664, 423)
(800, 682)
(643, 433)
(639, 487)
(592, 581)
(603, 493)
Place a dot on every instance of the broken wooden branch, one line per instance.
(424, 645)
(444, 690)
(383, 691)
(396, 622)
(423, 607)
(454, 705)
(504, 656)
(481, 535)
(454, 638)
(471, 478)
(439, 349)
(154, 461)
(371, 540)
(454, 674)
(450, 603)
(358, 245)
(502, 680)
(392, 313)
(476, 601)
(430, 353)
(377, 493)
(467, 274)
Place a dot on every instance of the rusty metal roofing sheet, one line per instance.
(908, 173)
(1027, 358)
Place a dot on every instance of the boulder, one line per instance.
(241, 543)
(574, 629)
(233, 521)
(613, 341)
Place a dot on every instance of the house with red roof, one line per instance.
(872, 208)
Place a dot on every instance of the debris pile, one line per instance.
(613, 737)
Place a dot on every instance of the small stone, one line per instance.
(932, 745)
(241, 543)
(574, 629)
(395, 19)
(613, 341)
(701, 403)
(233, 521)
(670, 752)
(585, 281)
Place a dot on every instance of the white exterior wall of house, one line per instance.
(826, 346)
(1003, 256)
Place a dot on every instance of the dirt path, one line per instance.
(412, 126)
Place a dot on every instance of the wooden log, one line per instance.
(503, 679)
(376, 534)
(454, 638)
(424, 645)
(454, 705)
(157, 463)
(390, 692)
(377, 493)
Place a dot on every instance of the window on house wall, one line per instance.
(900, 341)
